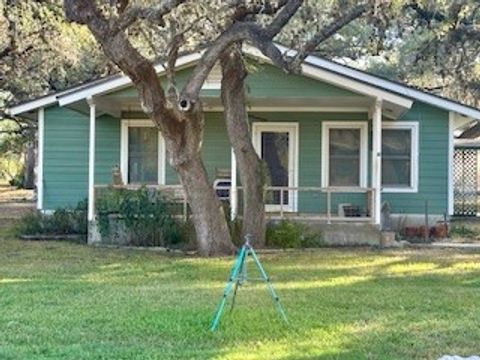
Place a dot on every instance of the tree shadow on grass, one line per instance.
(340, 304)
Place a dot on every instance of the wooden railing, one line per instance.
(316, 204)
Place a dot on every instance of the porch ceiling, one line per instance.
(115, 105)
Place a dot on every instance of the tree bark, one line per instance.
(29, 171)
(182, 130)
(183, 136)
(248, 162)
(213, 236)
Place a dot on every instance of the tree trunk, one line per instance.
(180, 122)
(29, 171)
(183, 134)
(213, 236)
(248, 162)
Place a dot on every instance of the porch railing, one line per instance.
(330, 204)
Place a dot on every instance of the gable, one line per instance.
(264, 80)
(319, 78)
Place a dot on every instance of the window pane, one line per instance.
(143, 155)
(275, 154)
(344, 161)
(396, 157)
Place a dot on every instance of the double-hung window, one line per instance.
(400, 156)
(142, 153)
(344, 154)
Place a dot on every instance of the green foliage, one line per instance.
(12, 146)
(290, 234)
(145, 213)
(64, 221)
(463, 231)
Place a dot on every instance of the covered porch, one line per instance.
(320, 136)
(319, 169)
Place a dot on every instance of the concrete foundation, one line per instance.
(117, 235)
(349, 234)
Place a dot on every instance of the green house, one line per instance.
(339, 143)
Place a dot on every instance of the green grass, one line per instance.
(67, 301)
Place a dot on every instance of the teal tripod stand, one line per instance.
(239, 276)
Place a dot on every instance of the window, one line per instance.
(142, 153)
(344, 154)
(400, 156)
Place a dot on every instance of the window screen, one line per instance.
(344, 157)
(142, 155)
(396, 157)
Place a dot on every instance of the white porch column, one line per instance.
(41, 142)
(451, 154)
(377, 161)
(91, 162)
(233, 187)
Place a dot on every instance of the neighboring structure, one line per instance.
(466, 170)
(338, 142)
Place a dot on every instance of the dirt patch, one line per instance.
(11, 194)
(15, 203)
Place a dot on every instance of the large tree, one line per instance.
(222, 26)
(430, 44)
(31, 64)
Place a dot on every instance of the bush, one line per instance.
(64, 221)
(145, 213)
(289, 234)
(463, 231)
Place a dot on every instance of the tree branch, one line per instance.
(329, 30)
(119, 49)
(237, 32)
(153, 14)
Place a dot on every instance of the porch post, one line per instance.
(41, 142)
(91, 161)
(377, 161)
(233, 187)
(451, 154)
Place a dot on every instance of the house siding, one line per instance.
(433, 164)
(66, 155)
(264, 81)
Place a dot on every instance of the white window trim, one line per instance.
(363, 126)
(124, 149)
(292, 128)
(414, 128)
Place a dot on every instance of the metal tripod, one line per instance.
(239, 276)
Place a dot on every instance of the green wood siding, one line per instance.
(66, 145)
(264, 81)
(66, 155)
(107, 148)
(65, 158)
(433, 164)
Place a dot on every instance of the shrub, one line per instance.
(145, 214)
(289, 234)
(64, 221)
(462, 231)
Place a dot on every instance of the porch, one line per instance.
(327, 205)
(321, 139)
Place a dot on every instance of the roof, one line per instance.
(313, 66)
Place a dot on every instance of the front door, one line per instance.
(276, 144)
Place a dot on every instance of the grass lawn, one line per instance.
(67, 301)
